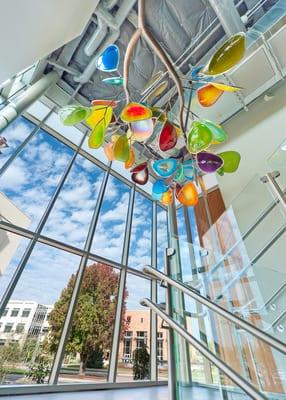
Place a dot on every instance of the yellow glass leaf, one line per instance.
(225, 88)
(96, 137)
(131, 160)
(98, 114)
(227, 56)
(157, 90)
(121, 149)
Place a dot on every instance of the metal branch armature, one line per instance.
(143, 31)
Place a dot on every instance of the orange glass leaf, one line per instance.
(108, 150)
(225, 88)
(107, 103)
(208, 95)
(167, 198)
(135, 112)
(187, 195)
(131, 160)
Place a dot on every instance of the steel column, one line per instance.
(153, 316)
(121, 288)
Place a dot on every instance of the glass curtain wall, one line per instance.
(63, 234)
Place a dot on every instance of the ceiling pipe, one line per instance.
(96, 38)
(228, 16)
(114, 24)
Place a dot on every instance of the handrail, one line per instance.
(226, 369)
(273, 342)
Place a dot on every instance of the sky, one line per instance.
(30, 182)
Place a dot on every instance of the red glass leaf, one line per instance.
(168, 137)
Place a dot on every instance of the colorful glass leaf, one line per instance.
(109, 59)
(135, 112)
(107, 103)
(196, 73)
(96, 138)
(131, 160)
(159, 114)
(180, 176)
(142, 130)
(219, 134)
(159, 187)
(227, 56)
(209, 162)
(73, 114)
(187, 195)
(168, 137)
(108, 150)
(98, 114)
(208, 95)
(188, 169)
(157, 91)
(199, 138)
(167, 198)
(121, 148)
(140, 174)
(231, 160)
(226, 88)
(114, 81)
(165, 167)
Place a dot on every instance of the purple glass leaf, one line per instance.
(209, 162)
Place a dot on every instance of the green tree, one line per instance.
(141, 360)
(9, 357)
(94, 316)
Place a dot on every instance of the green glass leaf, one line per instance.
(180, 176)
(73, 114)
(219, 134)
(199, 138)
(96, 137)
(231, 160)
(121, 149)
(227, 56)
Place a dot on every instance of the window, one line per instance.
(15, 312)
(128, 319)
(8, 328)
(141, 339)
(5, 312)
(160, 350)
(141, 320)
(26, 312)
(20, 328)
(127, 347)
(2, 342)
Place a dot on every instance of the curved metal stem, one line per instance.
(127, 59)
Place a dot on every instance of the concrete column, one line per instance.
(16, 107)
(228, 16)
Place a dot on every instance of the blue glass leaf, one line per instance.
(109, 59)
(188, 169)
(159, 187)
(165, 167)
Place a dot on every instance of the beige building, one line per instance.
(9, 241)
(138, 335)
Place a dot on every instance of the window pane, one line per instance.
(70, 218)
(88, 348)
(162, 241)
(140, 245)
(135, 341)
(26, 339)
(109, 235)
(32, 178)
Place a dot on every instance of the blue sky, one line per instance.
(30, 182)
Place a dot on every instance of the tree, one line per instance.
(94, 317)
(9, 357)
(141, 360)
(39, 370)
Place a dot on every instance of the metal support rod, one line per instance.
(171, 341)
(228, 16)
(121, 288)
(277, 344)
(16, 276)
(271, 179)
(57, 362)
(27, 98)
(226, 369)
(153, 316)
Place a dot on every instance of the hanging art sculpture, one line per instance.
(178, 176)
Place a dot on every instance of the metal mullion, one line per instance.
(24, 143)
(153, 283)
(77, 285)
(15, 278)
(121, 287)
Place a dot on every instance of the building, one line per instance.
(138, 335)
(22, 320)
(9, 242)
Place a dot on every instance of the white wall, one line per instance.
(32, 29)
